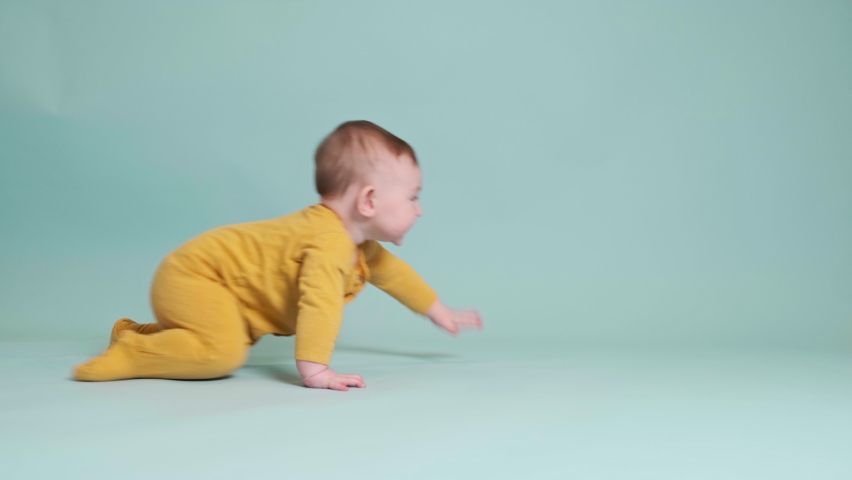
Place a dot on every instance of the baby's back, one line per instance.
(254, 248)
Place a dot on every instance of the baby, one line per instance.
(217, 294)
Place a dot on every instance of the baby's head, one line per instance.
(371, 175)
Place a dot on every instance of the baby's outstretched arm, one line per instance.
(317, 375)
(452, 320)
(400, 281)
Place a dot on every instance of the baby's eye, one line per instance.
(414, 199)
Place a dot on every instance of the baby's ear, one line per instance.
(366, 201)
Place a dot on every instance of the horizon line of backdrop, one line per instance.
(596, 173)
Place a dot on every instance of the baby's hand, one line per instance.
(452, 320)
(328, 378)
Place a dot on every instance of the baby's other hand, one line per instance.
(330, 379)
(452, 320)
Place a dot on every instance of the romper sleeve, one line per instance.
(397, 278)
(321, 295)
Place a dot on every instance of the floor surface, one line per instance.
(495, 411)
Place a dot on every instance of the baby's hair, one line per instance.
(349, 151)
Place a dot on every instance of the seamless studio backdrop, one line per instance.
(598, 176)
(595, 173)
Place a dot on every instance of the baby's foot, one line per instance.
(114, 364)
(119, 327)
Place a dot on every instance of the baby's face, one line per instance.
(398, 182)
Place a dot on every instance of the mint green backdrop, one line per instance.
(663, 174)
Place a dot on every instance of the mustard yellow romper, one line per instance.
(217, 294)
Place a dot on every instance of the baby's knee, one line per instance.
(222, 362)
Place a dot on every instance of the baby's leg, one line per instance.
(203, 335)
(128, 324)
(174, 353)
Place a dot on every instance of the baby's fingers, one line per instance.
(452, 328)
(343, 382)
(355, 381)
(471, 318)
(338, 386)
